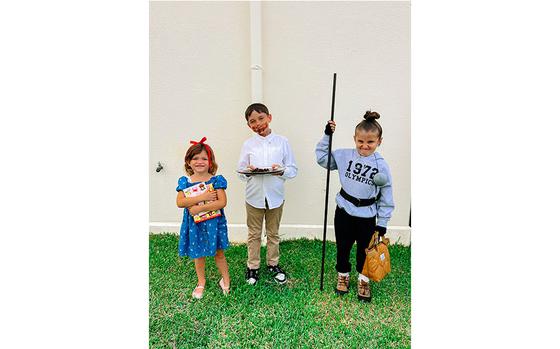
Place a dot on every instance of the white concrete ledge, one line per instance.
(237, 233)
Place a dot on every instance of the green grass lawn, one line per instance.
(294, 315)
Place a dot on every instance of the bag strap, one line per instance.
(374, 240)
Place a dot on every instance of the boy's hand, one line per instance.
(250, 168)
(274, 167)
(330, 127)
(209, 196)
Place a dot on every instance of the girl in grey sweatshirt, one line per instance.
(365, 201)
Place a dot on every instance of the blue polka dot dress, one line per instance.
(202, 239)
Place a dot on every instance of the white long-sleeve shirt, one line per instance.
(263, 152)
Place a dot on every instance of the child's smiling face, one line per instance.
(199, 163)
(259, 123)
(366, 142)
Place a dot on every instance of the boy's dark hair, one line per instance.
(258, 107)
(370, 123)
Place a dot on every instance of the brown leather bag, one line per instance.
(378, 261)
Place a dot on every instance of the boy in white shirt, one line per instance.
(264, 193)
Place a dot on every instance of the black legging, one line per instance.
(347, 230)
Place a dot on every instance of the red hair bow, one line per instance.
(208, 151)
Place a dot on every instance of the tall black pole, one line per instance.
(328, 179)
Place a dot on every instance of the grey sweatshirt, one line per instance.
(356, 175)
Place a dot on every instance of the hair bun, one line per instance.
(369, 115)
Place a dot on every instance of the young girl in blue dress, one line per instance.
(207, 238)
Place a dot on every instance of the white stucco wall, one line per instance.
(200, 85)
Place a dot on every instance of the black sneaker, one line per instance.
(252, 276)
(278, 274)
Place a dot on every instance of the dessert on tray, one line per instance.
(261, 171)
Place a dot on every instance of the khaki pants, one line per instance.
(254, 224)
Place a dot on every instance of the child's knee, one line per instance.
(220, 254)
